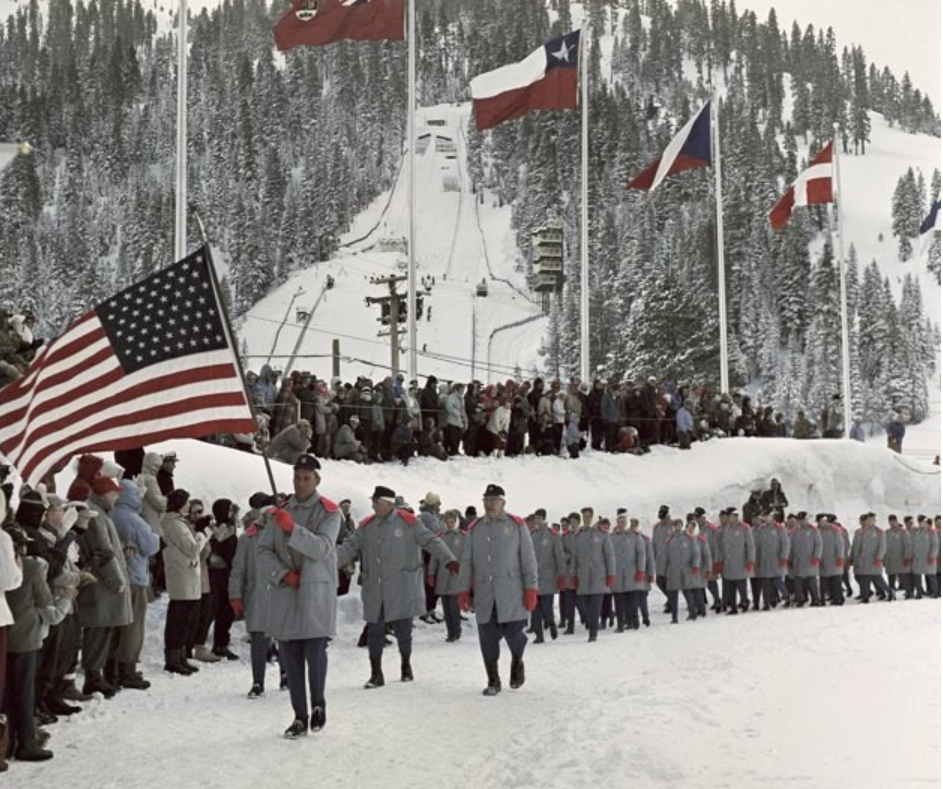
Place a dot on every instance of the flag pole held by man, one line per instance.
(547, 79)
(154, 362)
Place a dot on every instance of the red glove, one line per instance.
(816, 562)
(695, 570)
(574, 582)
(237, 607)
(750, 566)
(453, 567)
(283, 520)
(878, 563)
(292, 579)
(464, 601)
(430, 581)
(530, 599)
(839, 562)
(718, 568)
(610, 581)
(784, 563)
(561, 582)
(640, 577)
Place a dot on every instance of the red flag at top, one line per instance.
(318, 22)
(813, 185)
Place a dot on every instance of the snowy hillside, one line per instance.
(788, 697)
(462, 238)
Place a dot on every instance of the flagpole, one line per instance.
(411, 193)
(230, 338)
(721, 266)
(180, 225)
(846, 351)
(584, 205)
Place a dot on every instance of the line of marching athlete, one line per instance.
(508, 569)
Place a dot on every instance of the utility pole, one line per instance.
(390, 313)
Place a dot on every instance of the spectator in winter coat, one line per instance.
(401, 442)
(267, 388)
(223, 546)
(456, 418)
(140, 543)
(165, 474)
(287, 408)
(573, 437)
(430, 441)
(802, 427)
(895, 433)
(346, 445)
(684, 424)
(291, 442)
(89, 468)
(609, 417)
(153, 502)
(497, 429)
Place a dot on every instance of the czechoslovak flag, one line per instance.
(690, 148)
(813, 185)
(319, 22)
(546, 79)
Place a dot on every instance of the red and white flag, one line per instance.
(154, 362)
(547, 79)
(320, 22)
(812, 186)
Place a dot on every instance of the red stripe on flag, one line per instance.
(818, 190)
(187, 407)
(555, 91)
(781, 212)
(152, 386)
(681, 163)
(333, 21)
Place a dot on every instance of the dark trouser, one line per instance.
(606, 611)
(453, 617)
(293, 655)
(556, 437)
(684, 439)
(673, 604)
(491, 632)
(767, 592)
(156, 563)
(731, 589)
(177, 625)
(756, 587)
(865, 581)
(643, 604)
(543, 614)
(222, 612)
(57, 652)
(376, 636)
(3, 666)
(612, 436)
(621, 601)
(96, 647)
(592, 606)
(700, 600)
(846, 580)
(561, 604)
(20, 697)
(662, 583)
(452, 436)
(831, 588)
(933, 584)
(568, 607)
(258, 654)
(131, 637)
(714, 590)
(807, 587)
(202, 621)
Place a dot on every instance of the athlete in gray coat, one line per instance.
(296, 558)
(628, 549)
(898, 556)
(446, 583)
(832, 566)
(389, 544)
(867, 557)
(805, 547)
(682, 566)
(551, 573)
(499, 564)
(737, 560)
(593, 571)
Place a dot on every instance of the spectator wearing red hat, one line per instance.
(106, 605)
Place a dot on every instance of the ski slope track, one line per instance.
(462, 238)
(794, 698)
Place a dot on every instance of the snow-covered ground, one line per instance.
(811, 697)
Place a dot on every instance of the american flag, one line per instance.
(154, 362)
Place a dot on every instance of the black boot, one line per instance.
(58, 706)
(319, 716)
(517, 672)
(95, 683)
(405, 670)
(111, 672)
(186, 653)
(128, 677)
(376, 675)
(494, 680)
(172, 662)
(553, 630)
(31, 752)
(539, 631)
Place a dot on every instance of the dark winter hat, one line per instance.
(471, 511)
(384, 494)
(222, 509)
(699, 511)
(307, 463)
(663, 511)
(621, 511)
(493, 492)
(259, 500)
(177, 499)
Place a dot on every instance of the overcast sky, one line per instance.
(902, 34)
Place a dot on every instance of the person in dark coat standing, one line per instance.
(222, 552)
(499, 563)
(389, 544)
(297, 558)
(165, 474)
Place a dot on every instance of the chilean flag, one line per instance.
(812, 186)
(547, 79)
(319, 22)
(689, 149)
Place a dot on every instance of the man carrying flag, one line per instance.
(812, 186)
(689, 149)
(154, 362)
(547, 79)
(319, 22)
